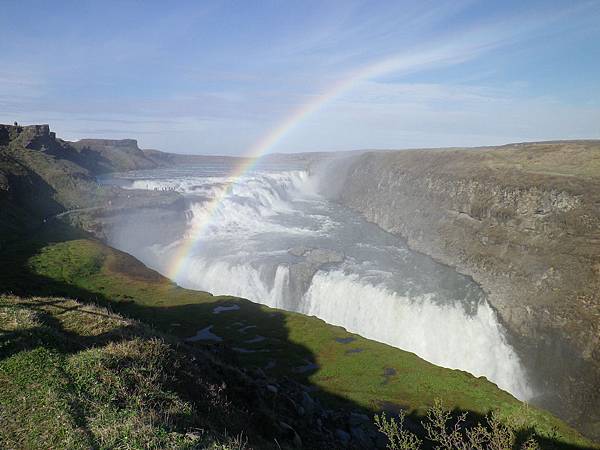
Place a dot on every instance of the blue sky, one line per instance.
(216, 77)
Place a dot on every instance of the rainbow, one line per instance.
(396, 64)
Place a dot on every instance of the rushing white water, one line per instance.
(441, 333)
(240, 280)
(273, 239)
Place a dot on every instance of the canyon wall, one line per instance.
(524, 221)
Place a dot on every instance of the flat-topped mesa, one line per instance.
(112, 155)
(30, 136)
(110, 146)
(122, 144)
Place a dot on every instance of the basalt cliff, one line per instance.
(524, 221)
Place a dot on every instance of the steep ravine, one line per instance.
(524, 222)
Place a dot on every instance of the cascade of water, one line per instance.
(246, 241)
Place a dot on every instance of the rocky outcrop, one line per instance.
(30, 136)
(524, 222)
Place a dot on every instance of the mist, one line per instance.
(278, 237)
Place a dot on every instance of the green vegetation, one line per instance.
(448, 431)
(105, 274)
(349, 371)
(75, 376)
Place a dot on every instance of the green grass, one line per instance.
(75, 376)
(346, 374)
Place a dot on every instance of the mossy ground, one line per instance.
(345, 369)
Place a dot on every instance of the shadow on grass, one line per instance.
(276, 403)
(51, 335)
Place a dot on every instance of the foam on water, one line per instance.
(240, 280)
(443, 334)
(377, 287)
(248, 206)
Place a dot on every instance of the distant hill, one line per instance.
(107, 155)
(172, 159)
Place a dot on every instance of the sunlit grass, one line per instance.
(357, 371)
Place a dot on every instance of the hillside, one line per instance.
(278, 375)
(94, 379)
(42, 176)
(173, 159)
(108, 155)
(345, 373)
(523, 220)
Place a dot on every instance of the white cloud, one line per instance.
(380, 115)
(207, 107)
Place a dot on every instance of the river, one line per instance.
(272, 237)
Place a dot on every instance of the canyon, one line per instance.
(524, 221)
(521, 221)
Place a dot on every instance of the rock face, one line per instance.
(28, 135)
(524, 221)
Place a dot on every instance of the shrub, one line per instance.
(449, 432)
(398, 437)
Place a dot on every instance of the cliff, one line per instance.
(42, 176)
(108, 155)
(524, 221)
(39, 177)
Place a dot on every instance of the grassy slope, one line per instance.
(347, 373)
(563, 158)
(76, 376)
